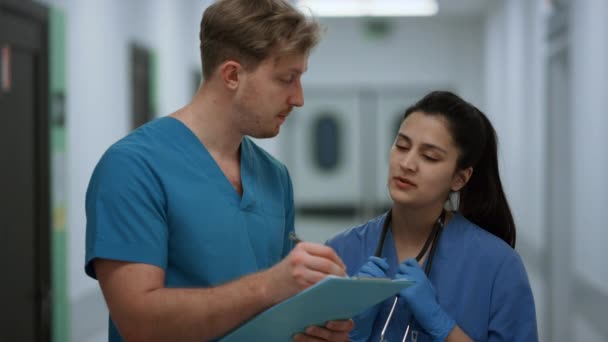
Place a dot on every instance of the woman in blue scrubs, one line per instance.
(470, 283)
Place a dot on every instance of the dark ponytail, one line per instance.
(482, 200)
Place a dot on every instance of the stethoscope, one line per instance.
(433, 236)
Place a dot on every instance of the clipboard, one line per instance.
(333, 298)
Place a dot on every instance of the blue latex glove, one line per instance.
(422, 301)
(375, 268)
(364, 322)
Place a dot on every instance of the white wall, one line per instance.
(417, 51)
(589, 103)
(589, 74)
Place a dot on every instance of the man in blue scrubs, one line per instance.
(187, 219)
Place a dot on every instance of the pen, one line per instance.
(294, 238)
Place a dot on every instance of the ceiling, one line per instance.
(457, 7)
(463, 7)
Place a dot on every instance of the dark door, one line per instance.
(24, 173)
(141, 79)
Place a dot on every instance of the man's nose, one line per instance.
(297, 98)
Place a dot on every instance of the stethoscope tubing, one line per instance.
(433, 237)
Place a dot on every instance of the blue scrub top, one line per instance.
(479, 280)
(158, 197)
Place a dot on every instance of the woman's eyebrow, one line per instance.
(426, 146)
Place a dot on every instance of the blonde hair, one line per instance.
(248, 31)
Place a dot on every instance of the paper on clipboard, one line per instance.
(332, 298)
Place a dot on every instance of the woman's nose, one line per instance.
(409, 162)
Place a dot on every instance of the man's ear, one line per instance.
(229, 73)
(461, 178)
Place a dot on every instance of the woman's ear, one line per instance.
(461, 178)
(229, 73)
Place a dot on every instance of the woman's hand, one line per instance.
(423, 302)
(374, 268)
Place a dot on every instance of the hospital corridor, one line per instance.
(78, 75)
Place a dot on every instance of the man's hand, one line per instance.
(334, 331)
(307, 264)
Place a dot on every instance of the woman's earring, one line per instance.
(453, 200)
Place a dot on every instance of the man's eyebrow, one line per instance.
(297, 70)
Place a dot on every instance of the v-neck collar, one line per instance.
(389, 251)
(247, 200)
